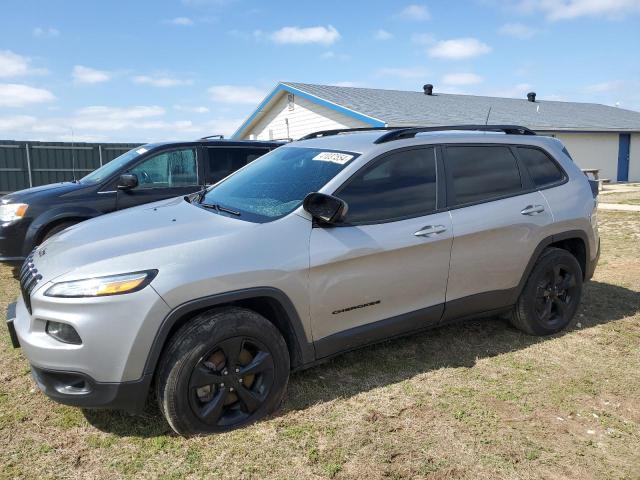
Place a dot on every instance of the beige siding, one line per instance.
(634, 158)
(594, 150)
(306, 117)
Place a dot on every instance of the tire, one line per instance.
(56, 229)
(550, 298)
(225, 369)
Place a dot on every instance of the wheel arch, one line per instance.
(49, 219)
(575, 242)
(269, 302)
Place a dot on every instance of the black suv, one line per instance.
(145, 174)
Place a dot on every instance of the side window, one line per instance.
(480, 173)
(401, 185)
(542, 169)
(175, 168)
(224, 161)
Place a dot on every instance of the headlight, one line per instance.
(102, 286)
(12, 211)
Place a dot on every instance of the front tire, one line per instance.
(551, 296)
(225, 369)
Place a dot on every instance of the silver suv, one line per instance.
(212, 299)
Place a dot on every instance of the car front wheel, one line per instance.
(225, 369)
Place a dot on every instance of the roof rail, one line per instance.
(328, 133)
(221, 137)
(410, 132)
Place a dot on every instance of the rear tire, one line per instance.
(225, 369)
(550, 298)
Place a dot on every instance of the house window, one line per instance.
(290, 101)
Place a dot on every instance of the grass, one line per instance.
(476, 400)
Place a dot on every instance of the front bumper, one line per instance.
(12, 237)
(80, 390)
(107, 368)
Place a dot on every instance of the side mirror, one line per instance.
(127, 181)
(325, 208)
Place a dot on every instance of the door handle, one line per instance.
(532, 210)
(430, 230)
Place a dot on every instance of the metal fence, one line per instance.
(30, 164)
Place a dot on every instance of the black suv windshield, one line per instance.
(275, 184)
(113, 166)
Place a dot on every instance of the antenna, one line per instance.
(73, 157)
(486, 122)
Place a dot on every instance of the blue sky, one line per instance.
(173, 69)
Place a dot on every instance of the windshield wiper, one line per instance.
(220, 208)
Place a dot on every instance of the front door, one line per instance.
(166, 174)
(383, 271)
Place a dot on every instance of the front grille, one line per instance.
(29, 278)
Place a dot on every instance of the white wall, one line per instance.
(306, 117)
(634, 158)
(594, 150)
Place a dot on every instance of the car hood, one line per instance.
(134, 239)
(53, 189)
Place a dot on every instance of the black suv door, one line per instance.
(221, 161)
(166, 174)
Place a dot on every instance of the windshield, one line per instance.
(113, 166)
(276, 183)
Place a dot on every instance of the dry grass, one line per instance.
(477, 400)
(621, 193)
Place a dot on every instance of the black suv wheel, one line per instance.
(225, 369)
(551, 295)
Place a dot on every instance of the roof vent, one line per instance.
(428, 89)
(531, 96)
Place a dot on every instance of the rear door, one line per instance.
(498, 218)
(222, 161)
(167, 174)
(384, 270)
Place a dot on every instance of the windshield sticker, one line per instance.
(142, 150)
(335, 157)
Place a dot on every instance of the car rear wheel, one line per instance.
(225, 369)
(550, 298)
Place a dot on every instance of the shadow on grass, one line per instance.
(457, 345)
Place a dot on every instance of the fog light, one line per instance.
(63, 332)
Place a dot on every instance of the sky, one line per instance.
(144, 70)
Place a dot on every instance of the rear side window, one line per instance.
(542, 169)
(400, 185)
(479, 173)
(224, 161)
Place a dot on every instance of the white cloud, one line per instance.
(459, 49)
(604, 87)
(382, 34)
(462, 79)
(181, 21)
(555, 10)
(103, 118)
(296, 35)
(517, 30)
(414, 12)
(236, 94)
(14, 65)
(422, 38)
(45, 32)
(17, 95)
(83, 74)
(185, 108)
(330, 55)
(16, 122)
(406, 73)
(162, 81)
